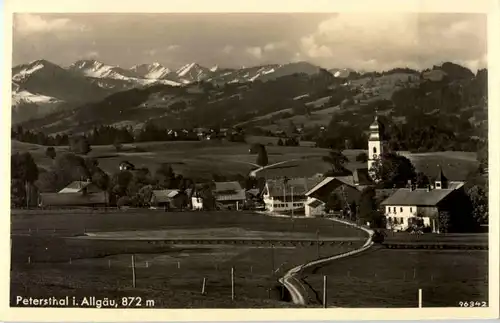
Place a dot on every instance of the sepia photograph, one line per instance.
(249, 160)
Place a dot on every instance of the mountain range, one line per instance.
(42, 87)
(265, 100)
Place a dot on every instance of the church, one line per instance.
(404, 207)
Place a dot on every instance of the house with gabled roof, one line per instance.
(169, 199)
(408, 207)
(229, 195)
(287, 194)
(318, 196)
(81, 187)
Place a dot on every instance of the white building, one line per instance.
(421, 207)
(285, 195)
(196, 203)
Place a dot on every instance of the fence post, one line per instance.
(133, 271)
(29, 259)
(324, 291)
(317, 242)
(272, 256)
(232, 283)
(203, 286)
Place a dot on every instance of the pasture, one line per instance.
(381, 277)
(202, 160)
(51, 256)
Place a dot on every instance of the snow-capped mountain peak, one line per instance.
(93, 68)
(22, 72)
(192, 72)
(150, 71)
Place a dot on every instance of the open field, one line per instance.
(48, 263)
(69, 223)
(455, 238)
(391, 278)
(200, 160)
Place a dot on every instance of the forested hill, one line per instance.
(440, 108)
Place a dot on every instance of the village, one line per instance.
(409, 208)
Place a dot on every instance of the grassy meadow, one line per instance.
(50, 256)
(201, 160)
(391, 278)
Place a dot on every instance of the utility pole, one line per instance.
(292, 202)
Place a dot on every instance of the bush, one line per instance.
(123, 201)
(50, 152)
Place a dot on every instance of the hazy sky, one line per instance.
(361, 41)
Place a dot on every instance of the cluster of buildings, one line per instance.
(403, 207)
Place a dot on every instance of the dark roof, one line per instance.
(340, 180)
(441, 176)
(362, 176)
(417, 197)
(229, 191)
(72, 199)
(253, 191)
(300, 186)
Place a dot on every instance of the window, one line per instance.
(394, 210)
(411, 210)
(374, 150)
(401, 209)
(438, 184)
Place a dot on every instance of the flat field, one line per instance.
(48, 260)
(201, 160)
(391, 278)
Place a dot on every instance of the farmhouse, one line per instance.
(421, 207)
(229, 195)
(288, 194)
(82, 187)
(169, 199)
(98, 199)
(318, 196)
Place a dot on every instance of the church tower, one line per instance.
(441, 180)
(375, 142)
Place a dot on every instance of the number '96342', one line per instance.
(473, 304)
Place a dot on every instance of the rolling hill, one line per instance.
(304, 101)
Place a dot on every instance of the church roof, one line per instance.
(377, 130)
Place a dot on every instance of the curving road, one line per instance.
(254, 172)
(292, 281)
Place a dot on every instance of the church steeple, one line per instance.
(441, 180)
(375, 141)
